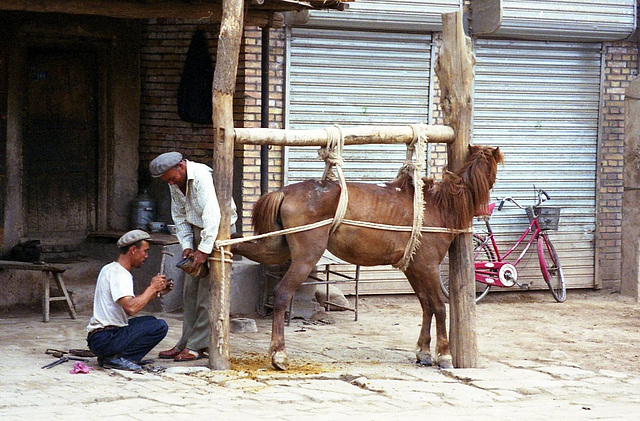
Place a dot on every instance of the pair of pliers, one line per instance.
(55, 363)
(63, 360)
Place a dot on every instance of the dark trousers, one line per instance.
(132, 342)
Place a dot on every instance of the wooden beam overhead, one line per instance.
(158, 9)
(119, 9)
(353, 135)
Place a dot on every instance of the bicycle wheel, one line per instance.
(551, 268)
(482, 253)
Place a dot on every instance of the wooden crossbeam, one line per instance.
(352, 135)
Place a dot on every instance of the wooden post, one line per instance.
(224, 80)
(455, 71)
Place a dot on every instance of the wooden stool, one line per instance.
(56, 272)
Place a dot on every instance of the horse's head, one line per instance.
(485, 160)
(479, 173)
(464, 193)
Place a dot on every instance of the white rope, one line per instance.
(414, 166)
(332, 156)
(222, 297)
(222, 243)
(362, 224)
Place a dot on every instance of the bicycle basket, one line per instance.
(548, 217)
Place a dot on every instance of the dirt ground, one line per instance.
(592, 330)
(544, 360)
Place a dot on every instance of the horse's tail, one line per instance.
(266, 213)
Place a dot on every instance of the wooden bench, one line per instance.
(56, 272)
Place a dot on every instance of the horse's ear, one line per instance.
(497, 155)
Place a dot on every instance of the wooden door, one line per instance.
(60, 143)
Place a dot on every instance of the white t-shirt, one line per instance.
(114, 282)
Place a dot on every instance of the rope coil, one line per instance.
(413, 167)
(332, 156)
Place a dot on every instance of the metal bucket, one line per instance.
(143, 211)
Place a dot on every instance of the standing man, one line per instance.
(117, 340)
(196, 213)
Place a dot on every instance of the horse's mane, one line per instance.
(402, 181)
(462, 194)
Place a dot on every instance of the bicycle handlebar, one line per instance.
(539, 192)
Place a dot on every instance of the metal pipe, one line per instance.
(264, 111)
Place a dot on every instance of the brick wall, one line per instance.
(620, 68)
(164, 49)
(248, 101)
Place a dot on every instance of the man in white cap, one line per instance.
(116, 339)
(196, 214)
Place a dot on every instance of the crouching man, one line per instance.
(119, 341)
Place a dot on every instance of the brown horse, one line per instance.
(450, 203)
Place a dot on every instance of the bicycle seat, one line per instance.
(486, 210)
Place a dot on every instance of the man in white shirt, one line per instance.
(116, 339)
(196, 214)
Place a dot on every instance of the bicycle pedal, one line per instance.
(524, 286)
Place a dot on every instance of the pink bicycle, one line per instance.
(493, 269)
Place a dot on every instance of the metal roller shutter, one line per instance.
(388, 15)
(560, 20)
(351, 77)
(539, 101)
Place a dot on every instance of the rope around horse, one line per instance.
(413, 168)
(362, 224)
(332, 155)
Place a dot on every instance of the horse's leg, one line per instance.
(442, 344)
(424, 279)
(306, 249)
(268, 251)
(423, 347)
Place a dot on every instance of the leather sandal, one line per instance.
(189, 355)
(170, 353)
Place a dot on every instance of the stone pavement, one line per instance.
(336, 375)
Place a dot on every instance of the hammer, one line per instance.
(162, 264)
(164, 258)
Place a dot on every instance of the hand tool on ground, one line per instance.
(81, 352)
(63, 360)
(55, 352)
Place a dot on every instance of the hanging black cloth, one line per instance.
(194, 91)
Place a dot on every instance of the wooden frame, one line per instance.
(455, 71)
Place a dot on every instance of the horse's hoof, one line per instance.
(445, 362)
(424, 358)
(279, 361)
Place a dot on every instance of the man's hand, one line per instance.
(168, 288)
(187, 253)
(158, 283)
(199, 258)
